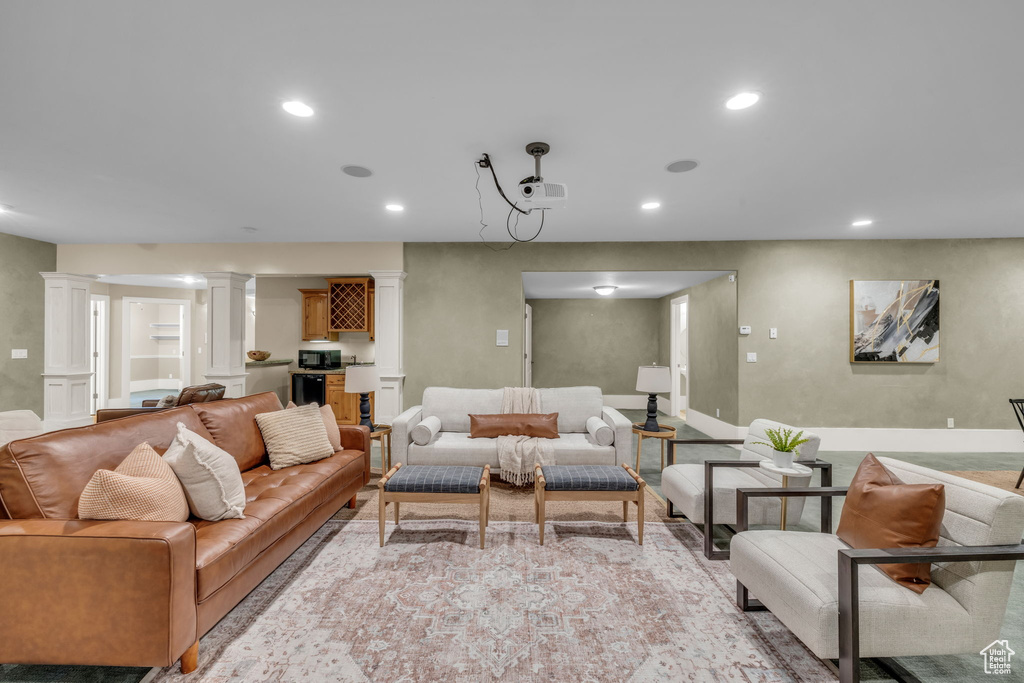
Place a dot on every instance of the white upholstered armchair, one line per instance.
(833, 599)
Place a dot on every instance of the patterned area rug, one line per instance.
(590, 605)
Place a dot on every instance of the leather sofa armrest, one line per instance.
(105, 593)
(357, 438)
(623, 432)
(401, 433)
(104, 414)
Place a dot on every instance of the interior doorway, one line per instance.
(528, 347)
(680, 358)
(155, 335)
(99, 360)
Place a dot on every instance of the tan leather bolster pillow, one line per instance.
(513, 424)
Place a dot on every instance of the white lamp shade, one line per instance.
(362, 379)
(653, 379)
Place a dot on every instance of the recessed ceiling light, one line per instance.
(357, 171)
(649, 206)
(605, 290)
(394, 207)
(249, 228)
(296, 108)
(682, 166)
(743, 100)
(4, 208)
(862, 223)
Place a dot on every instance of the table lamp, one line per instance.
(653, 380)
(362, 380)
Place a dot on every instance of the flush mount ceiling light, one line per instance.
(357, 171)
(394, 207)
(650, 206)
(296, 108)
(4, 208)
(862, 223)
(605, 290)
(682, 166)
(743, 100)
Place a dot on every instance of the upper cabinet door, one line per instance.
(314, 315)
(350, 304)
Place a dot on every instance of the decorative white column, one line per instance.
(67, 371)
(387, 311)
(225, 331)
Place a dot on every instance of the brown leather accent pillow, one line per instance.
(883, 512)
(513, 424)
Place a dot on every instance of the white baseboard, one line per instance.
(714, 427)
(626, 401)
(154, 384)
(884, 440)
(664, 406)
(923, 440)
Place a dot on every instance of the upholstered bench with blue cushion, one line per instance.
(435, 484)
(589, 482)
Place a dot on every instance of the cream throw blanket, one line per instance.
(517, 455)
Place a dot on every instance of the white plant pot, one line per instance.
(783, 459)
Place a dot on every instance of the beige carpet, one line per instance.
(508, 504)
(1001, 479)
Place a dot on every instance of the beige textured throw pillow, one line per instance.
(330, 424)
(295, 436)
(143, 487)
(213, 485)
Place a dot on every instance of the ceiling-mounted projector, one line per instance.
(543, 195)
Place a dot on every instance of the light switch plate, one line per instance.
(502, 339)
(751, 357)
(744, 329)
(19, 353)
(773, 333)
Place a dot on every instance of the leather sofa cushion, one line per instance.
(45, 475)
(882, 512)
(233, 426)
(513, 424)
(276, 502)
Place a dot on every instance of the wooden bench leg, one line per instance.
(640, 514)
(540, 514)
(625, 511)
(396, 513)
(190, 659)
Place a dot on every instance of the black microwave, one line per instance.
(320, 359)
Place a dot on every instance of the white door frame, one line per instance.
(126, 341)
(100, 340)
(528, 347)
(674, 359)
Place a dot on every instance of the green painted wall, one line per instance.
(458, 294)
(21, 320)
(598, 342)
(714, 346)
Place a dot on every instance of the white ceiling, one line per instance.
(651, 284)
(130, 121)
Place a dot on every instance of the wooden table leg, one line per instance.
(662, 453)
(388, 437)
(625, 511)
(785, 500)
(639, 445)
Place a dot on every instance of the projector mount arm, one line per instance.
(534, 149)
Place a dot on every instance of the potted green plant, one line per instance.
(784, 444)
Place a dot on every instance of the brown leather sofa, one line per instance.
(200, 393)
(124, 593)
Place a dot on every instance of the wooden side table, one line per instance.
(786, 472)
(382, 433)
(665, 434)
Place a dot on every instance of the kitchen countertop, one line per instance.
(303, 371)
(272, 361)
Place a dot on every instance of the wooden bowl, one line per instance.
(258, 355)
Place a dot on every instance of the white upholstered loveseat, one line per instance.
(451, 445)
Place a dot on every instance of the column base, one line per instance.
(66, 398)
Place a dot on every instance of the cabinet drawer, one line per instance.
(336, 380)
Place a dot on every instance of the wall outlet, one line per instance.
(751, 357)
(949, 423)
(170, 375)
(19, 353)
(718, 412)
(732, 277)
(773, 333)
(744, 329)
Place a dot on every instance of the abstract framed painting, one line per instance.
(894, 321)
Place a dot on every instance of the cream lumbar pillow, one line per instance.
(330, 424)
(295, 436)
(143, 488)
(423, 432)
(210, 476)
(602, 432)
